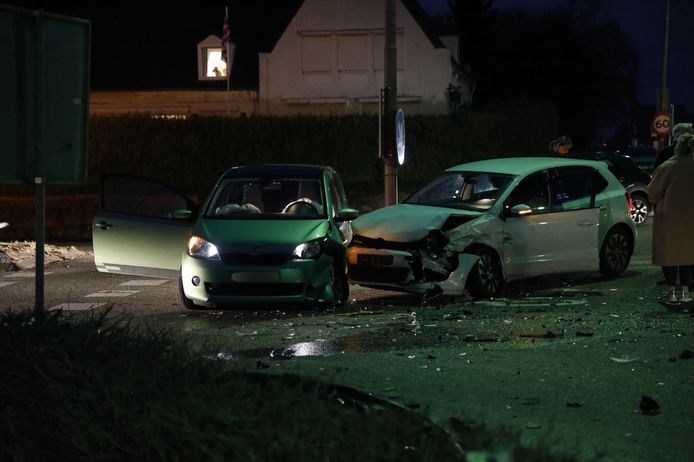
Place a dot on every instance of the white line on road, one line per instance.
(7, 283)
(25, 274)
(113, 293)
(144, 282)
(76, 306)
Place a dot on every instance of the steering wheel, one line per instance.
(302, 203)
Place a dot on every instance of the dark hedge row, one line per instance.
(191, 154)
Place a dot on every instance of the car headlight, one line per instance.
(200, 248)
(311, 249)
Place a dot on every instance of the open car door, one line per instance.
(142, 227)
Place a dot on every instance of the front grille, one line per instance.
(247, 259)
(378, 274)
(255, 289)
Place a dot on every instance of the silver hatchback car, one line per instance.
(479, 225)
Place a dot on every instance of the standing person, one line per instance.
(561, 146)
(668, 151)
(672, 190)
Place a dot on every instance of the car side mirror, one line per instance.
(520, 210)
(346, 215)
(182, 215)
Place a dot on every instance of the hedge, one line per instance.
(192, 153)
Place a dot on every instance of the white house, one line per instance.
(330, 60)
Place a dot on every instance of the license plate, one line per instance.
(374, 260)
(256, 276)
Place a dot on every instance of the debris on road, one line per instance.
(623, 359)
(649, 406)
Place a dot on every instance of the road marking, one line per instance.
(76, 306)
(25, 274)
(144, 282)
(7, 283)
(113, 293)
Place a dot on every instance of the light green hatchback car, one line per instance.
(266, 233)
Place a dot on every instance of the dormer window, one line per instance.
(211, 66)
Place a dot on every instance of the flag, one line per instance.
(225, 35)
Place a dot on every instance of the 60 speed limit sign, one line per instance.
(661, 123)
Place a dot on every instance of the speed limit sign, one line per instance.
(661, 123)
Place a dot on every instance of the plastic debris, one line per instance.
(623, 359)
(243, 334)
(649, 406)
(282, 353)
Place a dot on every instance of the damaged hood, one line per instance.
(406, 222)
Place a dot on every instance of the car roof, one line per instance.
(299, 170)
(524, 165)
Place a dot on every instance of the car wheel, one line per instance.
(188, 303)
(640, 208)
(486, 278)
(339, 284)
(616, 252)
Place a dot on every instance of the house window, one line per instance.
(316, 52)
(353, 51)
(211, 66)
(215, 66)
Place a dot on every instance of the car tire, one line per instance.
(616, 251)
(486, 278)
(185, 301)
(339, 284)
(640, 208)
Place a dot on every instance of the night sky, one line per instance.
(644, 22)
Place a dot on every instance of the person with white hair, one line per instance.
(671, 190)
(668, 151)
(560, 146)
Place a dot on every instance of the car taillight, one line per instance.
(630, 206)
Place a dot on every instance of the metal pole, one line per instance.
(664, 97)
(390, 93)
(40, 232)
(39, 176)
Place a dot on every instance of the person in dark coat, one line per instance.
(671, 190)
(668, 151)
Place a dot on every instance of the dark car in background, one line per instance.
(634, 179)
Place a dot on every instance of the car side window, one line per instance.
(141, 196)
(577, 187)
(532, 191)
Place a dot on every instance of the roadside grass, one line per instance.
(97, 387)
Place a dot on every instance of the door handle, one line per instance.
(103, 225)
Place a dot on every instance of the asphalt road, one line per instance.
(565, 361)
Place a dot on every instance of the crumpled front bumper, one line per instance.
(403, 271)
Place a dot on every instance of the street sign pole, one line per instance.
(390, 98)
(40, 232)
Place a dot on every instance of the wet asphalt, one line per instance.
(566, 361)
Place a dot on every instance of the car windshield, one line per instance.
(274, 198)
(463, 190)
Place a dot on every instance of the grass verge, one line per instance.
(98, 388)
